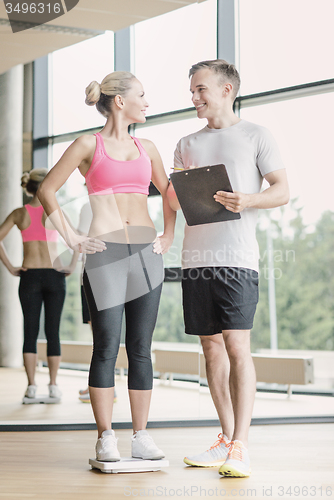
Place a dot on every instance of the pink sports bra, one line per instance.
(36, 231)
(108, 176)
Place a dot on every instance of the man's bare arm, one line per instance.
(276, 195)
(172, 198)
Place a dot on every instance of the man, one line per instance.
(220, 260)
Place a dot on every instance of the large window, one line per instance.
(73, 68)
(162, 50)
(284, 43)
(167, 46)
(281, 44)
(303, 129)
(302, 232)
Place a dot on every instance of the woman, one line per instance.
(124, 269)
(39, 283)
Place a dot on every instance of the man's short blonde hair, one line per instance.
(227, 72)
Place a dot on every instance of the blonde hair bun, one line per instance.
(31, 180)
(93, 93)
(24, 179)
(116, 83)
(38, 174)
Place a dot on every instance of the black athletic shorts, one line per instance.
(219, 298)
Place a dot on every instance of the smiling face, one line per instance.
(209, 95)
(134, 102)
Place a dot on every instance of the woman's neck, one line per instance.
(34, 202)
(116, 128)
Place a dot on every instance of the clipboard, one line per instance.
(195, 188)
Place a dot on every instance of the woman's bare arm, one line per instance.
(160, 180)
(5, 227)
(79, 153)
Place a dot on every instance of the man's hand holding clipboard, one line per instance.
(201, 193)
(235, 202)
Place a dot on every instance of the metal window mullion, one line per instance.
(41, 111)
(122, 50)
(227, 32)
(277, 95)
(169, 117)
(309, 89)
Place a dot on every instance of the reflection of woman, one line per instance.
(39, 282)
(124, 268)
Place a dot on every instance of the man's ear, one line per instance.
(227, 89)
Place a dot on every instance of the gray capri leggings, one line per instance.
(126, 278)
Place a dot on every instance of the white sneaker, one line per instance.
(54, 391)
(31, 391)
(106, 447)
(85, 398)
(213, 457)
(143, 446)
(237, 463)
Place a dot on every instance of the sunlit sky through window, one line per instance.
(285, 43)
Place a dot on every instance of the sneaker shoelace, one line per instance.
(106, 440)
(235, 451)
(219, 441)
(146, 440)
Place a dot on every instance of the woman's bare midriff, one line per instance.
(38, 254)
(121, 218)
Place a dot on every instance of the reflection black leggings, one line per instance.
(123, 278)
(39, 286)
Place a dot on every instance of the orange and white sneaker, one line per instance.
(237, 463)
(213, 457)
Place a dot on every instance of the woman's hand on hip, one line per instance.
(16, 271)
(89, 245)
(162, 244)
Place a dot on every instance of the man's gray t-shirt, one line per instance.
(249, 152)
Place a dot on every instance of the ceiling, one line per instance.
(88, 18)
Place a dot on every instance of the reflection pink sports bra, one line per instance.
(108, 176)
(36, 231)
